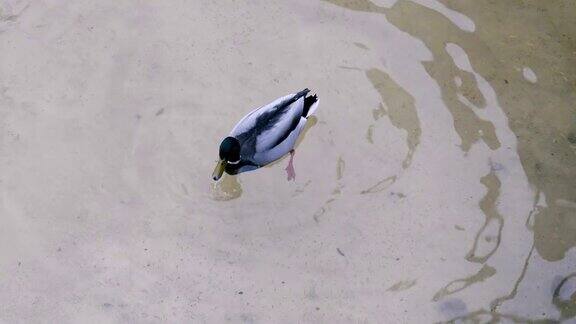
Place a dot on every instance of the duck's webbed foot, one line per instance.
(290, 173)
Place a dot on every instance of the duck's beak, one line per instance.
(219, 170)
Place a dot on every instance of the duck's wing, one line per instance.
(265, 127)
(247, 123)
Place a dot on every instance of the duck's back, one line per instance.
(248, 123)
(265, 127)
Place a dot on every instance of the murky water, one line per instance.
(436, 183)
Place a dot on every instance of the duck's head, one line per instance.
(229, 154)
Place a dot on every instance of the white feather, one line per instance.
(249, 120)
(313, 108)
(263, 158)
(267, 139)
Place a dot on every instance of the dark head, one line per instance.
(230, 150)
(229, 154)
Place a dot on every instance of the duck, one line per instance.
(265, 135)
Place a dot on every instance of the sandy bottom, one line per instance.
(437, 181)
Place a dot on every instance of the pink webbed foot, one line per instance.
(290, 173)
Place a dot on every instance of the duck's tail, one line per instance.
(310, 106)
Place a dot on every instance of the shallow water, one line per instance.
(436, 182)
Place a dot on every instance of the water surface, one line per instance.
(436, 182)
